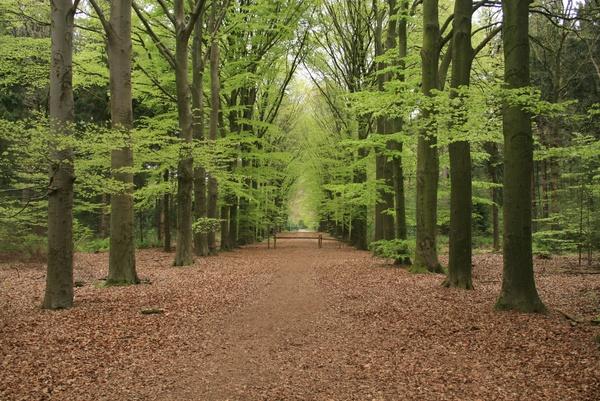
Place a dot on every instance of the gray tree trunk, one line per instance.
(518, 282)
(200, 239)
(215, 100)
(184, 252)
(59, 277)
(427, 156)
(121, 266)
(397, 166)
(459, 261)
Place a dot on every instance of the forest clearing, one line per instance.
(299, 199)
(297, 323)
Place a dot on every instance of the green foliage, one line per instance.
(398, 250)
(206, 225)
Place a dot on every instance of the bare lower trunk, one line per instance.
(396, 146)
(167, 217)
(459, 259)
(200, 239)
(518, 283)
(59, 276)
(225, 228)
(121, 265)
(427, 157)
(214, 122)
(184, 255)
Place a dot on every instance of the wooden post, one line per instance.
(320, 241)
(274, 241)
(269, 241)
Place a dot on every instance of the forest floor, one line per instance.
(296, 323)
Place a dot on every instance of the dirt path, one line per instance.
(296, 323)
(254, 339)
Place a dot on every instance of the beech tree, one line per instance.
(427, 154)
(121, 266)
(59, 276)
(459, 260)
(518, 283)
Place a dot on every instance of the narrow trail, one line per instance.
(262, 343)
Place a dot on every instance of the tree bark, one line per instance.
(397, 166)
(215, 87)
(427, 156)
(59, 277)
(167, 216)
(384, 220)
(121, 265)
(200, 239)
(184, 255)
(459, 259)
(518, 282)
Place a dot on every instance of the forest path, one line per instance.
(295, 323)
(261, 345)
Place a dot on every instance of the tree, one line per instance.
(59, 277)
(384, 220)
(121, 266)
(518, 283)
(459, 260)
(215, 101)
(183, 25)
(200, 238)
(427, 156)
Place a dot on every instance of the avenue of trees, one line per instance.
(394, 125)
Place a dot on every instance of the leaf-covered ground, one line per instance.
(296, 323)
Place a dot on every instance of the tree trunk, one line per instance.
(184, 255)
(200, 239)
(518, 282)
(492, 167)
(384, 220)
(459, 260)
(104, 226)
(225, 228)
(167, 216)
(397, 166)
(214, 121)
(121, 265)
(358, 233)
(427, 156)
(158, 220)
(246, 232)
(59, 277)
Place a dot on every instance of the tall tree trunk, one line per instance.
(233, 223)
(59, 277)
(121, 265)
(459, 260)
(518, 282)
(200, 239)
(427, 156)
(492, 167)
(167, 216)
(384, 220)
(184, 255)
(215, 86)
(397, 166)
(104, 225)
(158, 220)
(245, 231)
(358, 233)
